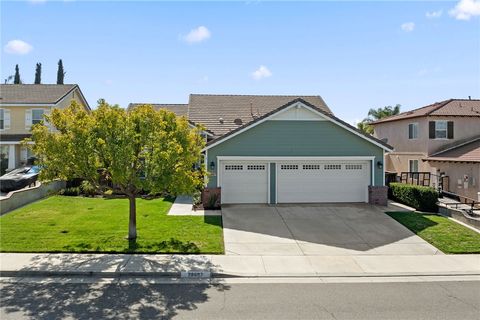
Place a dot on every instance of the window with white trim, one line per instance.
(413, 165)
(311, 167)
(412, 131)
(289, 167)
(37, 115)
(255, 167)
(332, 167)
(233, 167)
(441, 129)
(353, 167)
(2, 119)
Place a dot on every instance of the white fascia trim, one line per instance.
(6, 105)
(287, 108)
(299, 158)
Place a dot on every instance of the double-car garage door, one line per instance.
(294, 181)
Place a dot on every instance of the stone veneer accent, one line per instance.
(378, 195)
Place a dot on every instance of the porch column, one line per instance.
(11, 157)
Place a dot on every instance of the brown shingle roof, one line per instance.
(177, 108)
(451, 107)
(224, 113)
(465, 152)
(34, 93)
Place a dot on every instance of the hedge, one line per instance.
(419, 197)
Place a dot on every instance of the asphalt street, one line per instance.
(87, 298)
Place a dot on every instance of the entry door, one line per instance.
(322, 181)
(244, 182)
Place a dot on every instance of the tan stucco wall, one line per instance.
(398, 162)
(17, 114)
(396, 132)
(455, 172)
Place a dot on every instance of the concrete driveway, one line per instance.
(317, 230)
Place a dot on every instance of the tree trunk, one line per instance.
(132, 225)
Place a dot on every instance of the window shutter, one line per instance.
(450, 129)
(431, 129)
(23, 154)
(28, 119)
(6, 119)
(410, 131)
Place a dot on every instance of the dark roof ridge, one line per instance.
(255, 95)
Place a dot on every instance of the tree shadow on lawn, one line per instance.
(172, 246)
(103, 300)
(414, 221)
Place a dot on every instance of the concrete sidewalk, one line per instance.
(111, 265)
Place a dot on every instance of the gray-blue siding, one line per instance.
(296, 138)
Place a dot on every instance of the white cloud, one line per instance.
(434, 14)
(261, 72)
(408, 26)
(465, 9)
(197, 35)
(17, 47)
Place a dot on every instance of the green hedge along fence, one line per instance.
(419, 197)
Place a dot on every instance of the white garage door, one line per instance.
(244, 182)
(322, 181)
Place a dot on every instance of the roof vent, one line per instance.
(220, 120)
(238, 121)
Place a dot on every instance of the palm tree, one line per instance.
(377, 114)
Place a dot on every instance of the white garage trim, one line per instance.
(300, 158)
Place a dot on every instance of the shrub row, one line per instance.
(419, 197)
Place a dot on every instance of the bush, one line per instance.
(419, 197)
(71, 191)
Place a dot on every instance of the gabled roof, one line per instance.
(177, 108)
(35, 93)
(326, 115)
(451, 107)
(464, 152)
(224, 113)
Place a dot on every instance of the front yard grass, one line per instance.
(448, 236)
(77, 224)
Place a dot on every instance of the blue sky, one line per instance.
(356, 55)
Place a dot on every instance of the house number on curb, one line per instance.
(195, 274)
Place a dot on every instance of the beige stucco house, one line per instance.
(441, 138)
(21, 106)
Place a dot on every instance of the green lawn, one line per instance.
(76, 224)
(448, 236)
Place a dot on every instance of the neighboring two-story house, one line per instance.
(21, 106)
(441, 138)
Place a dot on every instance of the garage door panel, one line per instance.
(244, 182)
(322, 181)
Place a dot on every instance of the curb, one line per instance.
(178, 274)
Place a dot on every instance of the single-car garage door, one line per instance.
(244, 182)
(323, 181)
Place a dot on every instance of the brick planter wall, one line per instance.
(207, 193)
(378, 195)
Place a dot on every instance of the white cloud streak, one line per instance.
(466, 9)
(261, 73)
(17, 47)
(434, 14)
(408, 26)
(197, 35)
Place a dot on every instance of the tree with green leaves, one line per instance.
(129, 152)
(38, 73)
(377, 114)
(60, 72)
(16, 77)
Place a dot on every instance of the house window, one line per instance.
(440, 129)
(2, 119)
(37, 116)
(413, 131)
(413, 165)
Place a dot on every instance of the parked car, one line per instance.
(19, 178)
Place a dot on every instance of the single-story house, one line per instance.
(285, 149)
